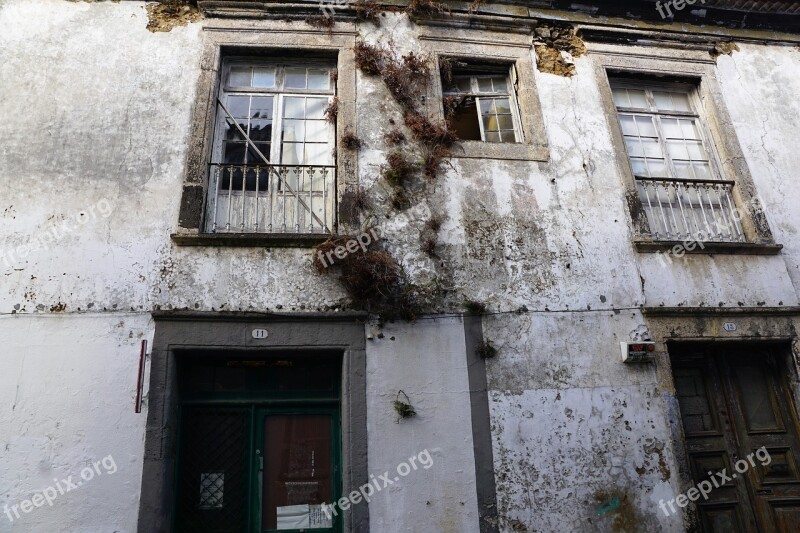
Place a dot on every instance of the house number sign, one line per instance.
(260, 334)
(729, 326)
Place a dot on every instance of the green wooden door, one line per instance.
(259, 446)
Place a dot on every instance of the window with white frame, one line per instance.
(680, 185)
(483, 104)
(272, 168)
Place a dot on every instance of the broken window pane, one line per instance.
(465, 121)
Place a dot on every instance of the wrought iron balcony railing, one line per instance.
(696, 210)
(272, 198)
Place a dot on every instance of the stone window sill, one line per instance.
(741, 248)
(506, 151)
(255, 240)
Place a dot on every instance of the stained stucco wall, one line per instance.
(96, 113)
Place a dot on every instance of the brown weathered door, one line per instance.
(734, 400)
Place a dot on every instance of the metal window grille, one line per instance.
(212, 490)
(679, 185)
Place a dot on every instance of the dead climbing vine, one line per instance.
(372, 278)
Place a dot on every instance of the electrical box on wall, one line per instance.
(638, 352)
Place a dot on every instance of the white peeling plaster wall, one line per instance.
(574, 427)
(96, 116)
(760, 85)
(427, 360)
(570, 422)
(67, 394)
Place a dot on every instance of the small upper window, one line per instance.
(272, 166)
(481, 105)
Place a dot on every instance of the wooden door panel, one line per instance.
(736, 405)
(786, 514)
(781, 469)
(754, 392)
(723, 517)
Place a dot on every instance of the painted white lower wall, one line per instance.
(67, 394)
(427, 361)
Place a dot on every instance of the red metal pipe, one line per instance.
(140, 378)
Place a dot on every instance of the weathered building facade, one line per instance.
(176, 317)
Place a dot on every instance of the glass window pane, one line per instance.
(672, 129)
(264, 77)
(297, 471)
(252, 156)
(663, 101)
(261, 130)
(291, 153)
(233, 152)
(681, 102)
(317, 131)
(499, 84)
(294, 107)
(239, 77)
(677, 150)
(317, 154)
(638, 99)
(487, 106)
(493, 136)
(651, 148)
(696, 151)
(502, 105)
(232, 132)
(509, 136)
(485, 85)
(671, 101)
(239, 106)
(315, 107)
(639, 167)
(689, 129)
(702, 171)
(657, 168)
(490, 123)
(295, 78)
(261, 107)
(683, 170)
(646, 126)
(621, 97)
(294, 130)
(505, 122)
(318, 79)
(628, 125)
(634, 147)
